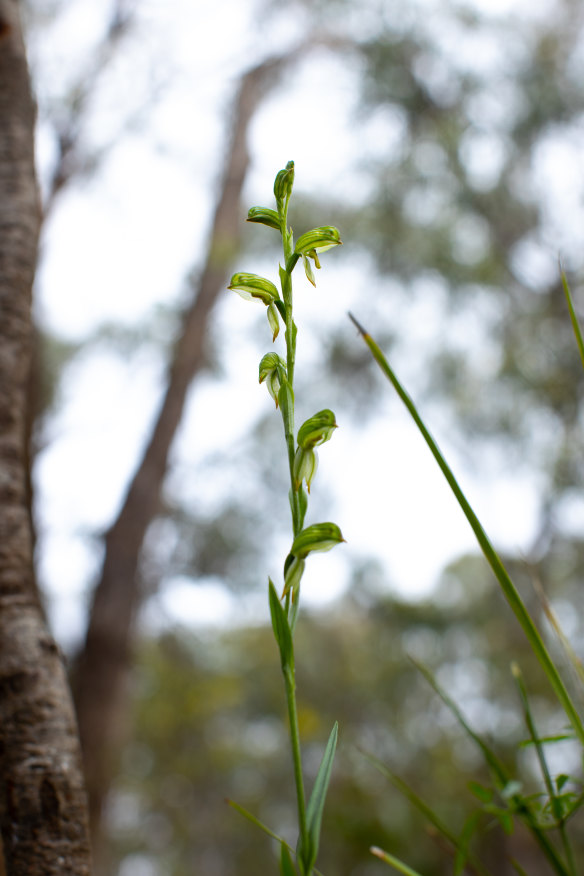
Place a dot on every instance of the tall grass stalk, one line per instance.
(509, 590)
(506, 800)
(573, 317)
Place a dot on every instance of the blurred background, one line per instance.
(445, 141)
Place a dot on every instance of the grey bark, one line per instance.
(43, 810)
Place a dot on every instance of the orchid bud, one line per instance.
(318, 537)
(305, 466)
(317, 429)
(284, 182)
(264, 216)
(251, 286)
(273, 372)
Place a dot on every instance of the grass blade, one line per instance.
(393, 862)
(257, 822)
(246, 814)
(557, 807)
(573, 317)
(537, 742)
(496, 766)
(411, 795)
(503, 780)
(554, 623)
(287, 868)
(509, 590)
(463, 850)
(425, 810)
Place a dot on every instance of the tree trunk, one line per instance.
(102, 667)
(43, 815)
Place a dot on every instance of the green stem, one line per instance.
(286, 277)
(289, 678)
(290, 337)
(289, 673)
(566, 845)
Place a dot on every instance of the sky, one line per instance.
(118, 247)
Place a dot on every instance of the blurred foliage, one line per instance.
(470, 110)
(208, 710)
(466, 111)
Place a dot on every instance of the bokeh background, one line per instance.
(445, 140)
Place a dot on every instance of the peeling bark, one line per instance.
(102, 668)
(43, 813)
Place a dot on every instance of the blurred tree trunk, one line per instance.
(101, 670)
(43, 814)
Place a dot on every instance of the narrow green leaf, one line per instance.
(506, 821)
(565, 803)
(423, 808)
(578, 802)
(518, 868)
(287, 868)
(509, 590)
(317, 800)
(462, 851)
(293, 614)
(561, 780)
(286, 402)
(496, 766)
(485, 795)
(553, 621)
(284, 277)
(302, 505)
(411, 795)
(573, 317)
(393, 862)
(556, 806)
(291, 262)
(281, 628)
(546, 740)
(503, 780)
(256, 821)
(252, 818)
(293, 572)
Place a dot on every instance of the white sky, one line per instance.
(121, 244)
